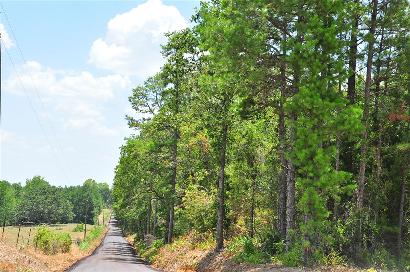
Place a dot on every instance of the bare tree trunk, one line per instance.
(281, 224)
(167, 227)
(290, 189)
(154, 220)
(351, 82)
(148, 223)
(337, 168)
(221, 189)
(351, 90)
(401, 216)
(290, 203)
(377, 112)
(173, 186)
(252, 210)
(363, 149)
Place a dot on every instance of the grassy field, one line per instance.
(26, 238)
(27, 233)
(25, 257)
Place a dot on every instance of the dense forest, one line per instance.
(38, 202)
(285, 122)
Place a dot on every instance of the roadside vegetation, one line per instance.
(93, 235)
(279, 129)
(47, 223)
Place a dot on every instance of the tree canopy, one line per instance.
(286, 122)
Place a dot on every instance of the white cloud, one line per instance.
(65, 84)
(132, 44)
(5, 136)
(77, 97)
(5, 37)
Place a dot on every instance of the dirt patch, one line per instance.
(185, 257)
(13, 259)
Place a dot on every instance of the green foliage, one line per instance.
(8, 202)
(257, 96)
(383, 259)
(197, 209)
(150, 252)
(245, 251)
(51, 242)
(42, 203)
(92, 235)
(292, 257)
(79, 228)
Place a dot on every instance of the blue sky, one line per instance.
(66, 75)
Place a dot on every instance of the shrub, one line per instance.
(293, 257)
(334, 259)
(272, 244)
(382, 259)
(52, 242)
(91, 236)
(197, 210)
(150, 252)
(245, 251)
(79, 228)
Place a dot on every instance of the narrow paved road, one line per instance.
(114, 254)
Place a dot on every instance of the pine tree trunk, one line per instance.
(290, 203)
(174, 154)
(401, 216)
(348, 146)
(154, 220)
(377, 111)
(173, 187)
(166, 226)
(281, 224)
(252, 210)
(221, 189)
(363, 148)
(351, 82)
(148, 223)
(290, 189)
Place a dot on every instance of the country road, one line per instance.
(114, 254)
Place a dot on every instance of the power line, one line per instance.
(34, 85)
(34, 110)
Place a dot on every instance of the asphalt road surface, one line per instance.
(114, 255)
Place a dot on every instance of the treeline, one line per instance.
(38, 202)
(283, 121)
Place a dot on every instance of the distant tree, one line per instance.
(105, 193)
(92, 201)
(43, 203)
(7, 202)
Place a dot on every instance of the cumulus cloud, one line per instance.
(132, 44)
(65, 84)
(5, 37)
(78, 96)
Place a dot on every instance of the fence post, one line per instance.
(18, 235)
(29, 235)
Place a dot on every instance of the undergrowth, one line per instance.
(94, 234)
(51, 242)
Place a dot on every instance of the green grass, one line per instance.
(94, 234)
(26, 238)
